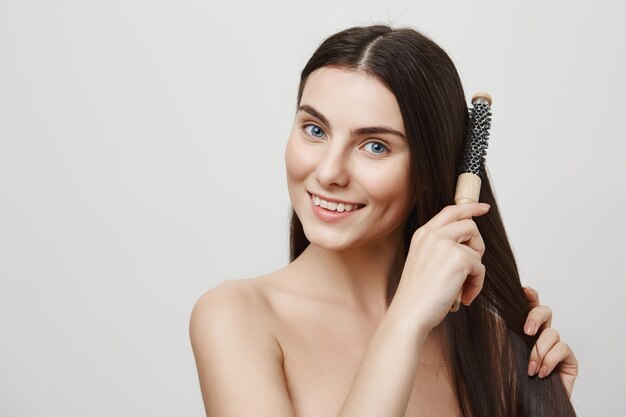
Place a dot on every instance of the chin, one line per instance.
(329, 241)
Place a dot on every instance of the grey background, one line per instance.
(141, 163)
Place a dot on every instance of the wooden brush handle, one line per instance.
(467, 191)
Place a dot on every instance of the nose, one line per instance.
(332, 169)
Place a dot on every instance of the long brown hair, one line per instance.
(488, 351)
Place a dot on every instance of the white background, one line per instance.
(141, 163)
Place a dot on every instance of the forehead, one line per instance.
(352, 97)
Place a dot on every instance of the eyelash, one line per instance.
(304, 128)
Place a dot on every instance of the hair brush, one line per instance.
(472, 165)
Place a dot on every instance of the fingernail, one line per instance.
(485, 205)
(529, 329)
(543, 371)
(532, 367)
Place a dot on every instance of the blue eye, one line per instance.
(376, 148)
(314, 131)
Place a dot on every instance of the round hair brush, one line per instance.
(472, 165)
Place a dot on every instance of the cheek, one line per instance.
(298, 162)
(389, 187)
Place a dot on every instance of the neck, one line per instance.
(363, 277)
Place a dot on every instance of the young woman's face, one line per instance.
(347, 161)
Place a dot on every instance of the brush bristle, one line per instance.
(477, 136)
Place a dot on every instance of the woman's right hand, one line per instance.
(444, 258)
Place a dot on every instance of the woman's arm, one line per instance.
(383, 384)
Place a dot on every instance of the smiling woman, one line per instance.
(357, 323)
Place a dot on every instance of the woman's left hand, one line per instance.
(549, 352)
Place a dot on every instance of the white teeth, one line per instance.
(332, 206)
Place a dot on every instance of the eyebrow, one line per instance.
(356, 132)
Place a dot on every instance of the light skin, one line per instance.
(359, 255)
(350, 264)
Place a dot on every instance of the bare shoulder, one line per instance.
(235, 306)
(238, 357)
(232, 299)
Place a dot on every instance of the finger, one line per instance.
(470, 251)
(532, 296)
(538, 316)
(465, 232)
(474, 282)
(547, 339)
(560, 355)
(566, 365)
(456, 212)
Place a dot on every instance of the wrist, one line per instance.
(399, 322)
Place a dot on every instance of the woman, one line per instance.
(358, 324)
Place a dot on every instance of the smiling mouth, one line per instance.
(334, 205)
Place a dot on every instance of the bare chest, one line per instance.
(322, 355)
